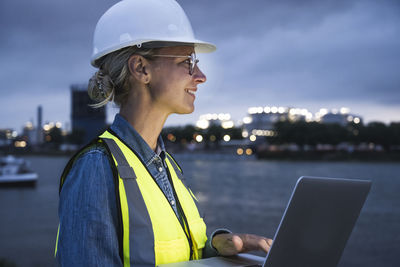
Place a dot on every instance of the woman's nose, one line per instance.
(198, 75)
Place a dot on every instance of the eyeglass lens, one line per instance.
(193, 62)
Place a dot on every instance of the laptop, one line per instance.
(314, 228)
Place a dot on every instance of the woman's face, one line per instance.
(171, 86)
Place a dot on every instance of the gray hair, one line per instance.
(111, 81)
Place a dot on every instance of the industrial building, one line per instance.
(86, 120)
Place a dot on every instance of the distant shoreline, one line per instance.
(357, 156)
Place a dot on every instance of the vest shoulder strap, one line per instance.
(124, 169)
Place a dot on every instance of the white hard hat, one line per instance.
(135, 22)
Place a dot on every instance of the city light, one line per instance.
(247, 120)
(227, 138)
(239, 151)
(20, 144)
(255, 110)
(227, 124)
(309, 117)
(224, 117)
(58, 124)
(357, 120)
(323, 111)
(258, 132)
(252, 110)
(29, 125)
(245, 134)
(249, 151)
(171, 137)
(203, 124)
(199, 138)
(253, 138)
(344, 110)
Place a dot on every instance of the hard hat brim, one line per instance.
(199, 46)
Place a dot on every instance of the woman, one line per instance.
(122, 198)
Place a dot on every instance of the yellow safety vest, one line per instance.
(151, 233)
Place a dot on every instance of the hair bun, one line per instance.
(101, 88)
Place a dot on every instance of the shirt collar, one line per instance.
(132, 138)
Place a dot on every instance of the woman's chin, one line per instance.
(185, 110)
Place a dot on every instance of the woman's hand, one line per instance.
(232, 244)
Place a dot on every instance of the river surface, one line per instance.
(243, 195)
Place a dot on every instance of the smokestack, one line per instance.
(39, 125)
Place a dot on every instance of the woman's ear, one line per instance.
(138, 68)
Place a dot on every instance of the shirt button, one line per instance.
(160, 169)
(172, 202)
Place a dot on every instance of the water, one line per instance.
(247, 196)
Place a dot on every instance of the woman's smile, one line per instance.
(191, 92)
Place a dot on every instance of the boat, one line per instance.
(16, 171)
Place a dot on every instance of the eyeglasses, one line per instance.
(192, 60)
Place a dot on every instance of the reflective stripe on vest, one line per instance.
(152, 234)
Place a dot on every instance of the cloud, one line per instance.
(349, 53)
(269, 52)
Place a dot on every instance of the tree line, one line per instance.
(313, 133)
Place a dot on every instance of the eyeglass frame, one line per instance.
(192, 63)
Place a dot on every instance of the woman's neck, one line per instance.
(146, 121)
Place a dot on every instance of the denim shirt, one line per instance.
(88, 210)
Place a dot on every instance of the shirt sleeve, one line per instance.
(88, 214)
(208, 250)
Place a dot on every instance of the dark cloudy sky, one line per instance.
(310, 54)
